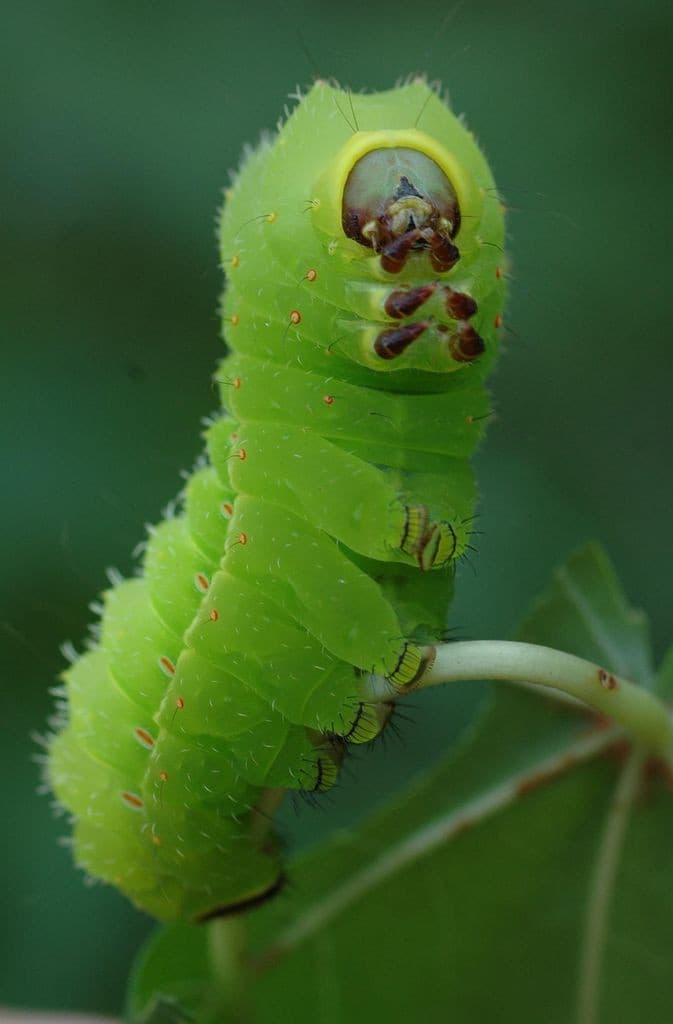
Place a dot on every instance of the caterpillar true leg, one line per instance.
(257, 649)
(298, 470)
(292, 561)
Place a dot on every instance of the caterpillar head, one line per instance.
(397, 201)
(371, 231)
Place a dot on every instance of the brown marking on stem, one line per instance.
(607, 680)
(658, 769)
(541, 778)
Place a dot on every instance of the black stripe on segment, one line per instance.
(427, 659)
(399, 661)
(318, 781)
(242, 906)
(356, 721)
(405, 531)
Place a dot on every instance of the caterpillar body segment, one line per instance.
(297, 470)
(446, 423)
(317, 543)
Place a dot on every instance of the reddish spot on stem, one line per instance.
(607, 680)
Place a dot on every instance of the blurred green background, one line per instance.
(120, 122)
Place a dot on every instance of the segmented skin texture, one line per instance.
(317, 543)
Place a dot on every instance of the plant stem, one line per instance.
(602, 887)
(227, 936)
(643, 714)
(227, 948)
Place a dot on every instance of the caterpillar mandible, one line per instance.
(316, 543)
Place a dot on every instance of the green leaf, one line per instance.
(527, 878)
(173, 980)
(171, 977)
(468, 898)
(164, 1010)
(584, 611)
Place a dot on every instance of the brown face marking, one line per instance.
(460, 305)
(466, 345)
(396, 252)
(443, 253)
(397, 200)
(392, 343)
(403, 303)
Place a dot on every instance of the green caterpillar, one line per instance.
(316, 544)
